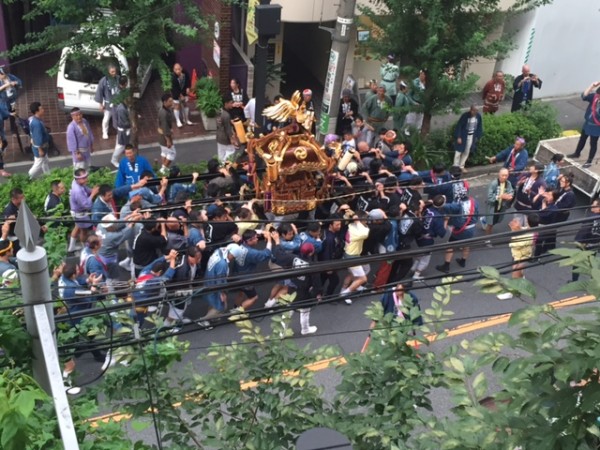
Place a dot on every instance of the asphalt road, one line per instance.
(345, 327)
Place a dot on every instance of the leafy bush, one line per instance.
(35, 193)
(431, 149)
(543, 115)
(534, 123)
(509, 81)
(209, 97)
(438, 145)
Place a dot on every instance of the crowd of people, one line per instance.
(379, 204)
(151, 229)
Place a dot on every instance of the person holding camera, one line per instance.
(591, 126)
(523, 87)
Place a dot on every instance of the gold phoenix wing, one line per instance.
(285, 109)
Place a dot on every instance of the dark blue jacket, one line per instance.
(148, 285)
(592, 120)
(130, 173)
(250, 258)
(39, 135)
(461, 218)
(10, 94)
(75, 294)
(389, 307)
(433, 226)
(462, 131)
(520, 162)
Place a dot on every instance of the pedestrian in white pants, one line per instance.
(40, 167)
(108, 88)
(467, 133)
(181, 88)
(40, 139)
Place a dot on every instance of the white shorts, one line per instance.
(224, 151)
(168, 153)
(360, 271)
(175, 313)
(184, 101)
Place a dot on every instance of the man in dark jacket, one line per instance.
(399, 302)
(180, 88)
(523, 87)
(122, 123)
(332, 250)
(151, 239)
(107, 89)
(186, 272)
(306, 287)
(467, 133)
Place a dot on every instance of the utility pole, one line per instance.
(268, 25)
(39, 318)
(344, 29)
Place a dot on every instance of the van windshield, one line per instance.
(87, 70)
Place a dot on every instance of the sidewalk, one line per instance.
(570, 110)
(38, 86)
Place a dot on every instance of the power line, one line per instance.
(154, 334)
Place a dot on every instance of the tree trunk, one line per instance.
(133, 98)
(426, 127)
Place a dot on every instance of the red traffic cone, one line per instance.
(193, 84)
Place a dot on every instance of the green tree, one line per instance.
(144, 30)
(443, 37)
(541, 377)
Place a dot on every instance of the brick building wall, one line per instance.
(221, 13)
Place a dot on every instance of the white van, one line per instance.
(78, 77)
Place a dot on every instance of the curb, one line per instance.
(109, 152)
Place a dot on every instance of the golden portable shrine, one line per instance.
(296, 166)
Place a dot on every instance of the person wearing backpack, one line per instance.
(591, 127)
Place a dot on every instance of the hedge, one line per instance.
(536, 122)
(37, 191)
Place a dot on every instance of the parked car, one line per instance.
(78, 77)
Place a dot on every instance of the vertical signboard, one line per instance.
(251, 33)
(328, 93)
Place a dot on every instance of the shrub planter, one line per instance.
(209, 123)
